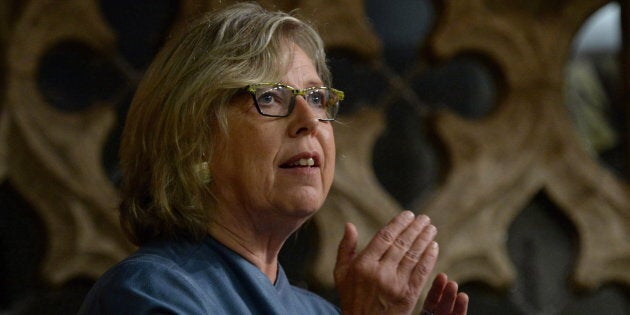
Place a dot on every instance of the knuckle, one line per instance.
(422, 270)
(402, 243)
(412, 255)
(386, 236)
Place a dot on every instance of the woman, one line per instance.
(228, 149)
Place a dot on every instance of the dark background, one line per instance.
(542, 242)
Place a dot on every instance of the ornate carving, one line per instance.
(498, 163)
(54, 158)
(529, 144)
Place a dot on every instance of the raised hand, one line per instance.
(443, 298)
(388, 276)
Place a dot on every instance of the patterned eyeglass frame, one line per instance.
(251, 89)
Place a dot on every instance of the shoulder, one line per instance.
(146, 271)
(148, 281)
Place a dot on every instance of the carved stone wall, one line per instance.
(497, 164)
(528, 145)
(54, 148)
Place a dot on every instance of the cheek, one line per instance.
(258, 149)
(330, 152)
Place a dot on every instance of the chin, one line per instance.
(309, 199)
(304, 208)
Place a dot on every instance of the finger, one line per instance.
(461, 304)
(405, 240)
(435, 293)
(424, 267)
(445, 306)
(411, 257)
(346, 250)
(384, 238)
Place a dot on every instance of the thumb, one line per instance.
(346, 251)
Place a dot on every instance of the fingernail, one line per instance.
(409, 214)
(432, 228)
(424, 217)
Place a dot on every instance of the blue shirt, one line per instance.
(179, 277)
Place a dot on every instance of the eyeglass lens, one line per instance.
(279, 100)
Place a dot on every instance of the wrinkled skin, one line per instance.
(260, 202)
(388, 276)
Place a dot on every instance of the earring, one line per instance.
(204, 172)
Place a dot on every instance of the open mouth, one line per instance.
(301, 162)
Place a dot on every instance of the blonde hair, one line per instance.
(179, 111)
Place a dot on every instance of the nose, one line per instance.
(303, 119)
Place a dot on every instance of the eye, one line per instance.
(317, 98)
(265, 99)
(270, 97)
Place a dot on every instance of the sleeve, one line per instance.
(145, 287)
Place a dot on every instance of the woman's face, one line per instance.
(256, 171)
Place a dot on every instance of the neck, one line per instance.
(258, 243)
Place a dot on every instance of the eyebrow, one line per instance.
(309, 84)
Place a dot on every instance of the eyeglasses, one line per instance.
(278, 100)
